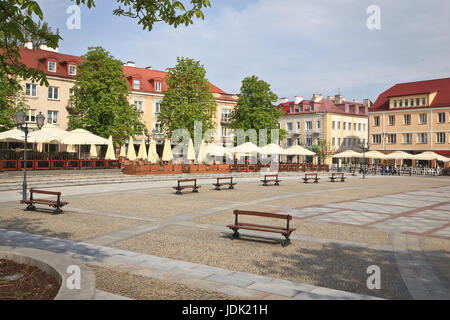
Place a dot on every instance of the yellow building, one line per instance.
(412, 117)
(341, 124)
(147, 91)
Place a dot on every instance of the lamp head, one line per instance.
(40, 119)
(19, 118)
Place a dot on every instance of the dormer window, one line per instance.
(72, 70)
(158, 86)
(136, 84)
(52, 66)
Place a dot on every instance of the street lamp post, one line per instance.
(365, 147)
(20, 120)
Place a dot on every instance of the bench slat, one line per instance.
(45, 192)
(263, 214)
(260, 229)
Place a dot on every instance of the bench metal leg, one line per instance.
(316, 181)
(30, 207)
(231, 186)
(287, 241)
(178, 191)
(236, 234)
(277, 183)
(195, 190)
(217, 187)
(57, 211)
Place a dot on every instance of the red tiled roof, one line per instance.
(37, 59)
(325, 105)
(441, 86)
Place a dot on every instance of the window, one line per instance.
(407, 138)
(308, 142)
(158, 86)
(31, 90)
(288, 142)
(318, 124)
(354, 126)
(392, 139)
(157, 127)
(406, 102)
(392, 120)
(345, 125)
(138, 105)
(158, 108)
(376, 121)
(309, 125)
(289, 126)
(376, 138)
(291, 110)
(359, 126)
(334, 125)
(423, 118)
(298, 141)
(407, 119)
(424, 101)
(226, 132)
(441, 117)
(334, 141)
(72, 69)
(52, 66)
(364, 127)
(417, 101)
(312, 107)
(52, 117)
(53, 93)
(422, 138)
(298, 125)
(412, 102)
(339, 142)
(339, 125)
(395, 103)
(401, 103)
(31, 115)
(136, 84)
(440, 137)
(226, 115)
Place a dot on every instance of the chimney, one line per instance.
(338, 99)
(355, 100)
(130, 64)
(298, 99)
(367, 102)
(366, 111)
(284, 100)
(149, 68)
(317, 97)
(28, 45)
(331, 98)
(44, 47)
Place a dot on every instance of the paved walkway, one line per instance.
(238, 284)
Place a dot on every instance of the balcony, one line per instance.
(225, 120)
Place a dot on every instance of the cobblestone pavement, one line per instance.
(399, 223)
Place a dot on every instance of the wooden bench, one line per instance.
(286, 232)
(311, 176)
(336, 175)
(275, 176)
(219, 184)
(58, 204)
(194, 186)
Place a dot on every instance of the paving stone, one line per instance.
(350, 217)
(274, 289)
(230, 281)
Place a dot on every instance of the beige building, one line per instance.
(412, 117)
(340, 123)
(147, 91)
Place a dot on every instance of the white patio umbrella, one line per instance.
(348, 154)
(375, 155)
(83, 137)
(246, 148)
(152, 154)
(122, 153)
(13, 135)
(215, 150)
(93, 151)
(167, 152)
(399, 155)
(110, 154)
(43, 136)
(131, 153)
(298, 151)
(272, 149)
(201, 153)
(431, 156)
(190, 151)
(142, 153)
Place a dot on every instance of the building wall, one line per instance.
(431, 128)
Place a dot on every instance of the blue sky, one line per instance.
(300, 47)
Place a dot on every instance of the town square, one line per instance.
(125, 181)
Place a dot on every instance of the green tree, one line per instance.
(100, 98)
(188, 98)
(12, 99)
(255, 109)
(323, 150)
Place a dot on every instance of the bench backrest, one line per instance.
(270, 175)
(187, 180)
(311, 174)
(337, 174)
(263, 214)
(45, 192)
(222, 178)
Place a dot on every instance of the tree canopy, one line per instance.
(100, 98)
(188, 98)
(255, 108)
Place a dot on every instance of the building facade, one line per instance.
(412, 117)
(339, 124)
(147, 87)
